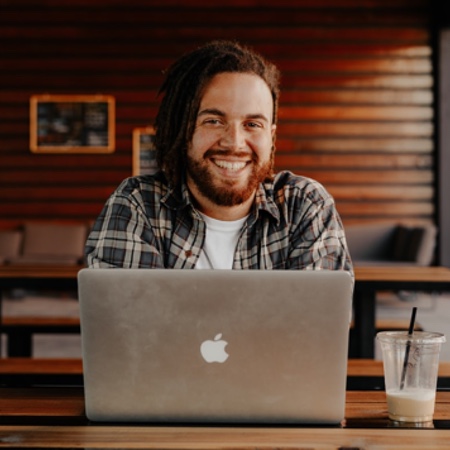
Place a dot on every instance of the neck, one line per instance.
(226, 213)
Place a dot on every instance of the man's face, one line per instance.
(230, 151)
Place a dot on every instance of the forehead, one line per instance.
(239, 90)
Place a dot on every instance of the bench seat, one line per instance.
(361, 373)
(20, 331)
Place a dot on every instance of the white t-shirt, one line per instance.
(220, 243)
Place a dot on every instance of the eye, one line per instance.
(253, 125)
(212, 121)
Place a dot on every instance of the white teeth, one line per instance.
(234, 166)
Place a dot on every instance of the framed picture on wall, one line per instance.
(72, 123)
(144, 154)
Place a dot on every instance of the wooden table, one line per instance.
(54, 417)
(362, 374)
(35, 277)
(43, 276)
(372, 279)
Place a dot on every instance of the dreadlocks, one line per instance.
(183, 88)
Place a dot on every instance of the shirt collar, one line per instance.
(177, 197)
(264, 199)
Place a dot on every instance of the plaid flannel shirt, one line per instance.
(293, 224)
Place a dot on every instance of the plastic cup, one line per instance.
(411, 363)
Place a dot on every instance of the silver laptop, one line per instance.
(215, 346)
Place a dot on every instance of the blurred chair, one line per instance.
(391, 244)
(10, 244)
(51, 243)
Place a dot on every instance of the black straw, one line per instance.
(408, 346)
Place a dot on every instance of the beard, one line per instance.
(226, 192)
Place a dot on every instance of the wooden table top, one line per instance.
(364, 406)
(164, 438)
(39, 271)
(355, 367)
(402, 273)
(29, 418)
(362, 273)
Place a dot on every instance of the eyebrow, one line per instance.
(218, 112)
(213, 111)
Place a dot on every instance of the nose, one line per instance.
(232, 137)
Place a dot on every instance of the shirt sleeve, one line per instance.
(318, 241)
(122, 236)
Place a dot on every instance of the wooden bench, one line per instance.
(383, 325)
(394, 324)
(362, 374)
(365, 374)
(41, 371)
(20, 330)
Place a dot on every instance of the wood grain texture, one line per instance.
(356, 367)
(356, 106)
(366, 426)
(242, 438)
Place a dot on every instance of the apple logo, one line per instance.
(214, 351)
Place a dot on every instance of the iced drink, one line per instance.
(411, 363)
(411, 405)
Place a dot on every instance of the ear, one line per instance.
(273, 133)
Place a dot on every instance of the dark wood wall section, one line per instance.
(356, 107)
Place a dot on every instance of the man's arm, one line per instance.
(122, 237)
(318, 242)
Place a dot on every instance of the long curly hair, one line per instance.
(182, 92)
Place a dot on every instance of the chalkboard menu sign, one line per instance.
(72, 124)
(144, 154)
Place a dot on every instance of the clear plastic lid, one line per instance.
(418, 337)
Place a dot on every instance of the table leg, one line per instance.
(364, 323)
(1, 320)
(20, 344)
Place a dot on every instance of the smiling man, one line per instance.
(231, 148)
(216, 203)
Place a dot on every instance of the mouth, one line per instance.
(228, 163)
(230, 166)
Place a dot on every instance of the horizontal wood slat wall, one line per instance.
(356, 109)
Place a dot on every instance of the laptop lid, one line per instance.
(215, 346)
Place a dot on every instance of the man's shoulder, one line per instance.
(299, 186)
(144, 184)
